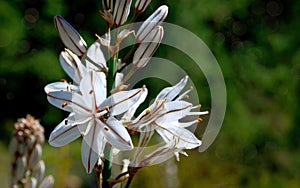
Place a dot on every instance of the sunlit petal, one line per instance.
(94, 58)
(174, 111)
(122, 101)
(64, 133)
(60, 86)
(71, 65)
(116, 134)
(61, 99)
(170, 93)
(89, 157)
(184, 139)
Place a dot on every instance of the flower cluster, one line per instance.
(100, 106)
(27, 168)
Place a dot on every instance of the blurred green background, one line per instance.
(256, 43)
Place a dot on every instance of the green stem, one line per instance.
(112, 69)
(106, 175)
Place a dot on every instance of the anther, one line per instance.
(64, 104)
(148, 111)
(106, 128)
(66, 122)
(82, 133)
(63, 80)
(91, 91)
(200, 120)
(106, 108)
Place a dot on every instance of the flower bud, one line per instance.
(39, 171)
(69, 36)
(71, 65)
(155, 19)
(147, 48)
(121, 11)
(107, 5)
(47, 182)
(141, 5)
(20, 168)
(31, 183)
(35, 156)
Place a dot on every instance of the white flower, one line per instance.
(92, 116)
(164, 115)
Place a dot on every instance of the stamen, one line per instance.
(106, 108)
(197, 106)
(82, 133)
(185, 94)
(197, 113)
(200, 120)
(64, 104)
(106, 128)
(63, 80)
(148, 111)
(91, 91)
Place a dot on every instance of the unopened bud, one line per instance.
(154, 20)
(48, 182)
(147, 48)
(20, 168)
(39, 171)
(35, 156)
(107, 5)
(71, 65)
(121, 11)
(69, 36)
(141, 5)
(31, 182)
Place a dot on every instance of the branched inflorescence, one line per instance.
(100, 106)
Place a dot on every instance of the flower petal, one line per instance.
(60, 99)
(94, 58)
(170, 93)
(71, 65)
(122, 101)
(92, 146)
(60, 86)
(183, 138)
(130, 112)
(93, 88)
(69, 36)
(65, 132)
(174, 111)
(116, 134)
